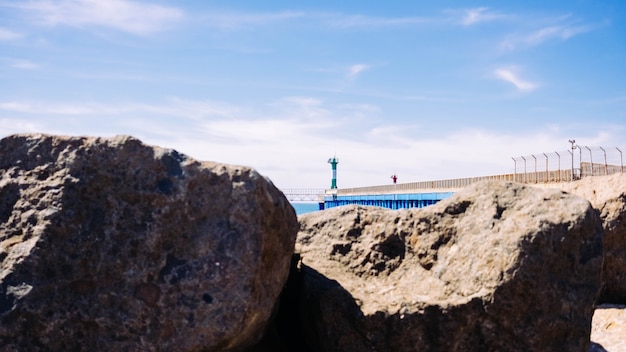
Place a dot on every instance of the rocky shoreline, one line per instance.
(111, 244)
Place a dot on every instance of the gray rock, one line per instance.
(607, 194)
(497, 267)
(113, 245)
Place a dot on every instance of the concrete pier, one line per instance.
(425, 193)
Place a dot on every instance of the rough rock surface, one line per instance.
(607, 194)
(496, 267)
(608, 328)
(113, 245)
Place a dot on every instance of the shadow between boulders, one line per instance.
(300, 321)
(327, 321)
(318, 314)
(596, 347)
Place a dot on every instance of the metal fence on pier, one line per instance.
(568, 165)
(553, 167)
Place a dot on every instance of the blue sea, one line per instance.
(304, 207)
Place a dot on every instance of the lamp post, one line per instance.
(573, 147)
(394, 178)
(606, 166)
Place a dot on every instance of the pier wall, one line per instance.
(391, 201)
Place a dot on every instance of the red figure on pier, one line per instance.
(394, 178)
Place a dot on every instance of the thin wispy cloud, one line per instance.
(235, 20)
(555, 32)
(545, 34)
(362, 21)
(357, 69)
(301, 101)
(134, 17)
(51, 108)
(172, 107)
(10, 126)
(511, 76)
(6, 34)
(478, 15)
(25, 65)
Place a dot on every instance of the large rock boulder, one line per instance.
(496, 267)
(113, 245)
(607, 194)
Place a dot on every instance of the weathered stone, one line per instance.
(608, 328)
(113, 245)
(496, 267)
(607, 194)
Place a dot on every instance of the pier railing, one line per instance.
(535, 177)
(304, 194)
(450, 184)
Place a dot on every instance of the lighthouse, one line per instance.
(333, 162)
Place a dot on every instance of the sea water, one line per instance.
(304, 207)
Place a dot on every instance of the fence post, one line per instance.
(580, 161)
(572, 175)
(547, 177)
(590, 159)
(559, 156)
(534, 157)
(606, 166)
(514, 169)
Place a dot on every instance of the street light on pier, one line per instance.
(573, 147)
(394, 178)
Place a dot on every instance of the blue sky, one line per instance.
(425, 90)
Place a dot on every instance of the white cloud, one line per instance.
(10, 126)
(234, 20)
(509, 75)
(544, 34)
(125, 15)
(555, 32)
(174, 107)
(25, 65)
(6, 34)
(477, 15)
(358, 21)
(357, 69)
(51, 109)
(304, 108)
(279, 139)
(291, 139)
